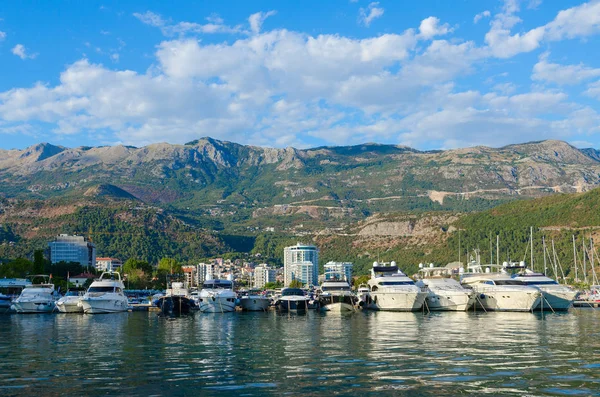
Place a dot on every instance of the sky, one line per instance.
(430, 74)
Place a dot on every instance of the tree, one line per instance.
(296, 284)
(19, 267)
(169, 265)
(133, 264)
(39, 261)
(361, 280)
(273, 285)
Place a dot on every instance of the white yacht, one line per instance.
(255, 302)
(293, 300)
(555, 296)
(363, 296)
(36, 297)
(70, 302)
(10, 288)
(105, 295)
(496, 290)
(390, 289)
(445, 293)
(336, 295)
(217, 296)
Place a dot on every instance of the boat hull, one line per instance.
(507, 301)
(255, 304)
(219, 305)
(556, 300)
(103, 306)
(397, 301)
(293, 305)
(338, 303)
(70, 306)
(450, 301)
(175, 305)
(33, 306)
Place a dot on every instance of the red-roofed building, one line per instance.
(81, 279)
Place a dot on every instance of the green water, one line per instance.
(255, 354)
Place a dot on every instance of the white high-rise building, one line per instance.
(205, 271)
(300, 254)
(263, 274)
(77, 249)
(338, 270)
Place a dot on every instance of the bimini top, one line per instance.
(385, 269)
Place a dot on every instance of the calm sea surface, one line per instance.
(255, 354)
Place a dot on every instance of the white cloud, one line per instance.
(579, 21)
(562, 74)
(369, 14)
(2, 35)
(481, 15)
(431, 27)
(256, 20)
(214, 25)
(593, 90)
(20, 51)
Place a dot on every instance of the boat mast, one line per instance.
(575, 259)
(531, 241)
(584, 264)
(544, 248)
(498, 249)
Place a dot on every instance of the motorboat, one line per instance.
(105, 295)
(176, 300)
(554, 295)
(496, 290)
(69, 303)
(390, 289)
(445, 293)
(11, 288)
(217, 296)
(254, 302)
(37, 297)
(336, 294)
(363, 295)
(293, 300)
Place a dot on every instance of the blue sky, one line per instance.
(428, 74)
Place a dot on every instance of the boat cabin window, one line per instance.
(10, 290)
(508, 282)
(101, 289)
(396, 283)
(335, 288)
(217, 285)
(548, 282)
(489, 282)
(292, 292)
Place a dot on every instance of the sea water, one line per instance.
(256, 354)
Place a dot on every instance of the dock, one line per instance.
(586, 304)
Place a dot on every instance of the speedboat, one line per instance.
(217, 296)
(11, 288)
(36, 297)
(496, 290)
(105, 295)
(336, 295)
(390, 289)
(176, 300)
(293, 300)
(445, 293)
(364, 297)
(554, 295)
(70, 302)
(255, 302)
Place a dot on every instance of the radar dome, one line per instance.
(393, 263)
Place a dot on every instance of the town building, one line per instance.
(337, 270)
(205, 271)
(66, 248)
(80, 279)
(189, 273)
(295, 263)
(263, 274)
(108, 264)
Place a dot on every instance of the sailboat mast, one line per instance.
(575, 259)
(544, 248)
(531, 241)
(498, 249)
(584, 264)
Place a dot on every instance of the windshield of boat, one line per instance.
(548, 282)
(396, 283)
(75, 292)
(507, 282)
(101, 289)
(340, 288)
(292, 291)
(216, 285)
